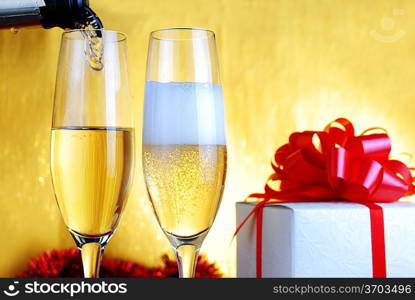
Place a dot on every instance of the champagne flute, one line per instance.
(184, 147)
(92, 140)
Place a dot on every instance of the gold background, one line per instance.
(286, 65)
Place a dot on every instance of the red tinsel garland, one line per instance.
(67, 263)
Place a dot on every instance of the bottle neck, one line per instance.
(63, 13)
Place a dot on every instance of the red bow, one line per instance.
(336, 164)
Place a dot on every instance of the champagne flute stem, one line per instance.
(186, 260)
(91, 259)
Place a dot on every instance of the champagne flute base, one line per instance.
(186, 256)
(195, 240)
(92, 249)
(187, 250)
(91, 259)
(81, 239)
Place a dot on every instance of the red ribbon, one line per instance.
(336, 164)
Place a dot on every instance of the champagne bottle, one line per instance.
(66, 14)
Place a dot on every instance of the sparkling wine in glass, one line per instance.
(184, 147)
(92, 142)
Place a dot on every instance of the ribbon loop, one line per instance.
(374, 146)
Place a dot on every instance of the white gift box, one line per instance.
(325, 239)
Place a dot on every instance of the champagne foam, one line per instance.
(183, 113)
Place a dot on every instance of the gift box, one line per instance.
(330, 209)
(325, 239)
